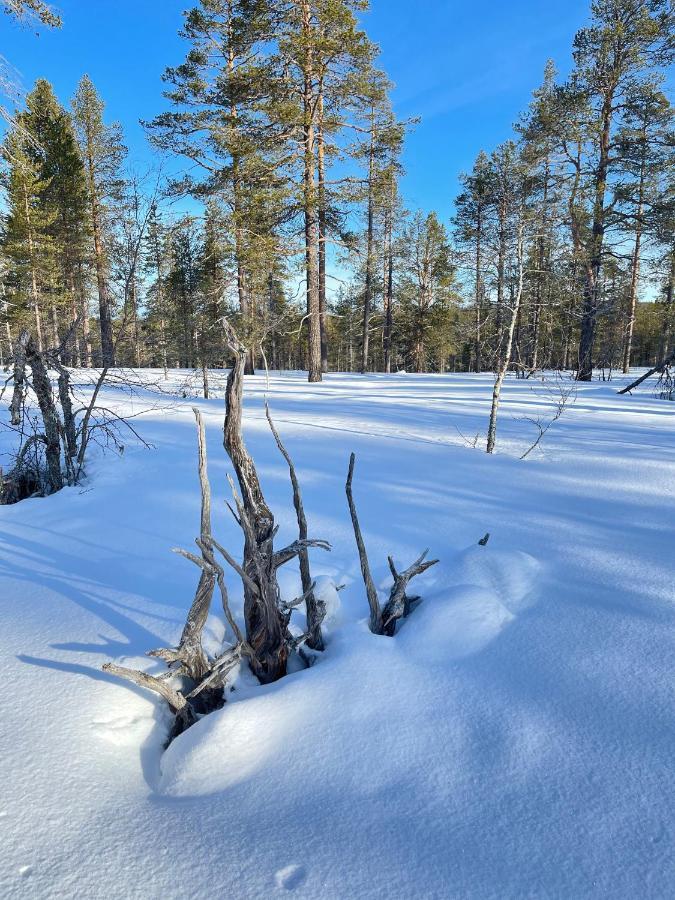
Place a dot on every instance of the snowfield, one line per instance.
(515, 739)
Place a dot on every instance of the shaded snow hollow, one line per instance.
(515, 739)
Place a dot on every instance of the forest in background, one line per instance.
(561, 252)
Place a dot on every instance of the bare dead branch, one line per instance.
(399, 603)
(659, 367)
(315, 640)
(371, 592)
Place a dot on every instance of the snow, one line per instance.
(516, 737)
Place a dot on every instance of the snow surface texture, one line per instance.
(515, 739)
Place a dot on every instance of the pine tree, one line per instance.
(611, 57)
(644, 143)
(32, 9)
(473, 209)
(221, 94)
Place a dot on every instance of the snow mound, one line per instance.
(460, 624)
(511, 574)
(264, 731)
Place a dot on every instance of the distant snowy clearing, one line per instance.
(515, 738)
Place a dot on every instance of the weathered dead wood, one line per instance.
(220, 580)
(371, 591)
(174, 698)
(266, 631)
(314, 613)
(659, 367)
(398, 605)
(281, 557)
(184, 712)
(383, 621)
(220, 668)
(267, 641)
(206, 678)
(190, 653)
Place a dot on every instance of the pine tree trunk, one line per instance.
(55, 325)
(594, 263)
(245, 307)
(75, 353)
(635, 262)
(104, 303)
(85, 347)
(389, 291)
(541, 275)
(368, 292)
(321, 171)
(309, 186)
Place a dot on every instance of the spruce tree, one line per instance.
(103, 153)
(47, 226)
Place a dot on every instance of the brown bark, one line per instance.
(368, 292)
(309, 190)
(245, 305)
(321, 172)
(541, 273)
(389, 289)
(635, 259)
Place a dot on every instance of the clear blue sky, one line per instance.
(467, 68)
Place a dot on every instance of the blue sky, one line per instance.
(467, 68)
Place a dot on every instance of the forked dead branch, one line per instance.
(383, 619)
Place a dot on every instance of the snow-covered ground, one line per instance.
(515, 739)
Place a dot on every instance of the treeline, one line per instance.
(297, 230)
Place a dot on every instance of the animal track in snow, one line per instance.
(120, 729)
(290, 877)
